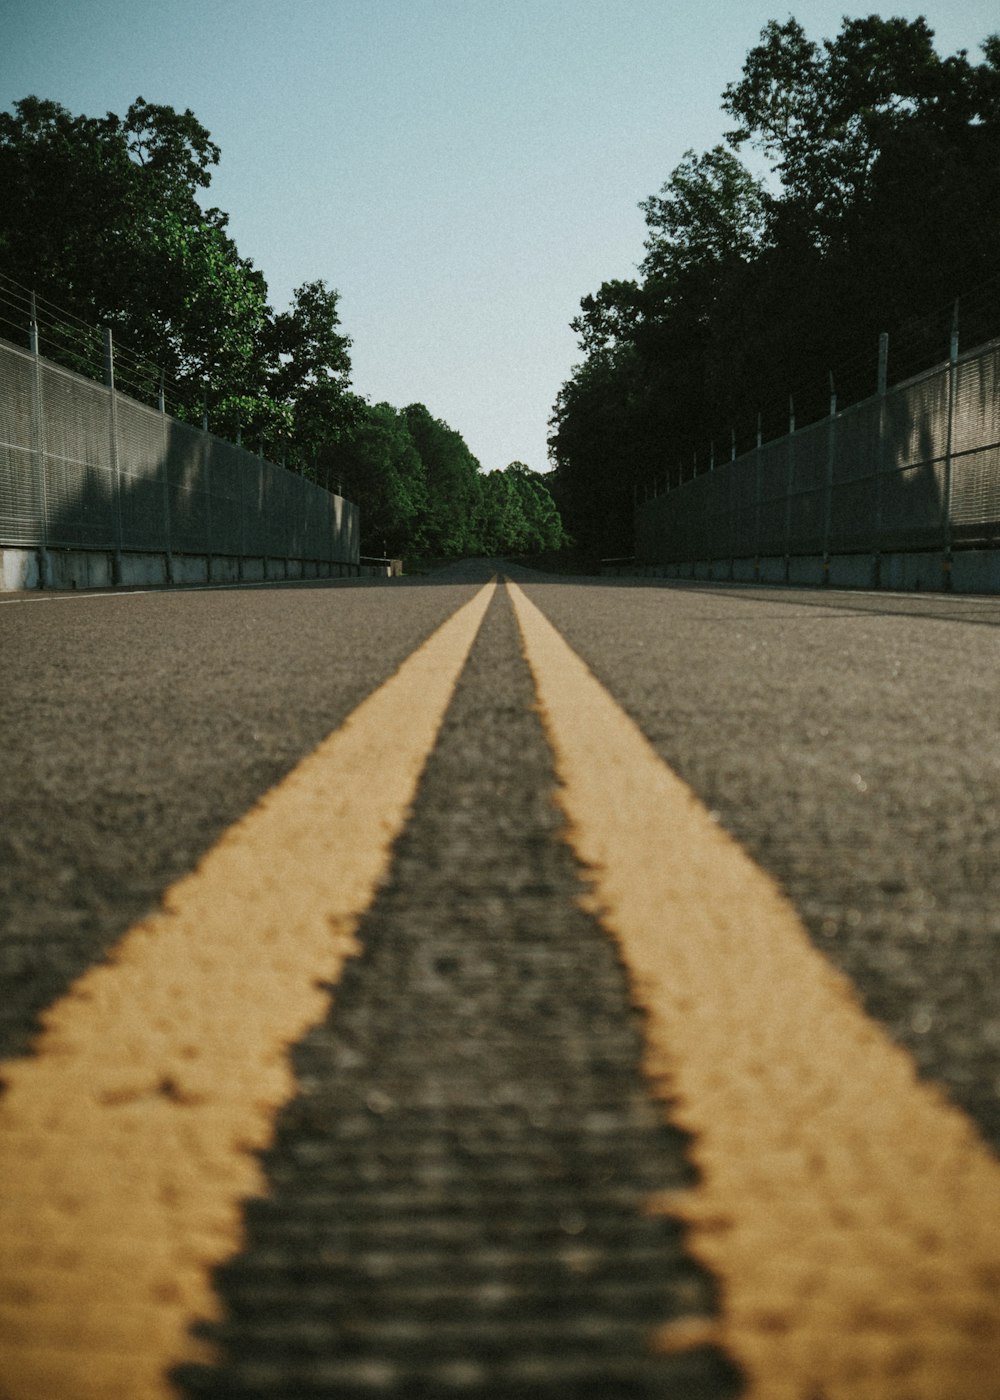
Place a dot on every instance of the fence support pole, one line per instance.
(116, 480)
(756, 499)
(207, 468)
(831, 452)
(883, 389)
(789, 484)
(168, 552)
(949, 465)
(38, 436)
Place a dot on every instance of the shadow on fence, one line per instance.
(914, 468)
(85, 468)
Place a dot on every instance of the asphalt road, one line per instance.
(852, 744)
(455, 1190)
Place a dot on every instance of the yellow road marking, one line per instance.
(125, 1145)
(851, 1214)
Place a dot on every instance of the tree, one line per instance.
(452, 483)
(385, 475)
(517, 513)
(886, 203)
(824, 112)
(308, 372)
(708, 215)
(101, 216)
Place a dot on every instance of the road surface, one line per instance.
(585, 988)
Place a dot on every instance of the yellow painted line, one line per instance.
(850, 1213)
(126, 1144)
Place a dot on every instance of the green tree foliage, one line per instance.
(307, 372)
(102, 217)
(884, 203)
(452, 483)
(384, 473)
(517, 513)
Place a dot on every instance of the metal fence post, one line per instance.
(949, 466)
(883, 390)
(38, 436)
(116, 482)
(207, 469)
(241, 566)
(168, 552)
(789, 483)
(831, 451)
(756, 498)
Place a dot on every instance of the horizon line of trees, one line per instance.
(102, 218)
(882, 203)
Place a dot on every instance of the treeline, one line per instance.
(883, 204)
(102, 219)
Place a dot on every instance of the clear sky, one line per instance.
(462, 171)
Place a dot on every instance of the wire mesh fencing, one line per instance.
(914, 467)
(83, 465)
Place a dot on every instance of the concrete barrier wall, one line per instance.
(929, 571)
(77, 569)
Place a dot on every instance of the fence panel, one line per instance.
(915, 468)
(254, 523)
(915, 451)
(807, 504)
(772, 529)
(141, 437)
(82, 468)
(187, 478)
(21, 499)
(226, 470)
(80, 487)
(975, 499)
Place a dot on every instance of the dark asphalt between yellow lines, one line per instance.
(850, 1214)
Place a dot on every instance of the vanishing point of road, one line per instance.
(492, 984)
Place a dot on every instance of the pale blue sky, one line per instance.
(462, 171)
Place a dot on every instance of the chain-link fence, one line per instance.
(84, 466)
(915, 467)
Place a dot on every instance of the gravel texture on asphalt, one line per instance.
(850, 743)
(137, 727)
(456, 1193)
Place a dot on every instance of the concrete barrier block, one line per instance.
(190, 568)
(744, 570)
(253, 570)
(912, 572)
(293, 568)
(18, 570)
(224, 568)
(852, 571)
(976, 571)
(275, 569)
(806, 569)
(771, 568)
(79, 568)
(140, 569)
